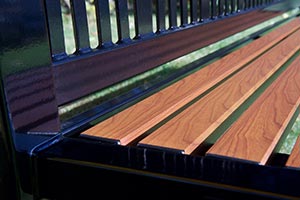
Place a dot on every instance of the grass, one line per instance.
(162, 71)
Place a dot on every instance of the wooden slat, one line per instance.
(255, 134)
(129, 124)
(190, 128)
(294, 158)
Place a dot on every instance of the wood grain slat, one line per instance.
(255, 134)
(129, 124)
(190, 128)
(294, 158)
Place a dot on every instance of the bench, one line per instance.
(117, 120)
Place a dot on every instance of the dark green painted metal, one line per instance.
(161, 15)
(143, 17)
(122, 20)
(26, 67)
(183, 12)
(55, 26)
(80, 26)
(172, 14)
(205, 10)
(194, 10)
(103, 22)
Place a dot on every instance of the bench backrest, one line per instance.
(38, 76)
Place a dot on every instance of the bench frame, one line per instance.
(39, 156)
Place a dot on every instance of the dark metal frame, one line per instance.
(37, 76)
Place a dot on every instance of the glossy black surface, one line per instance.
(28, 103)
(26, 69)
(135, 167)
(8, 182)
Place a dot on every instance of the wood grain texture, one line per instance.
(129, 124)
(294, 158)
(189, 129)
(255, 134)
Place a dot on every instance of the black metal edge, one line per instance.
(242, 177)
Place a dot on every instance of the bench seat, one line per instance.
(254, 136)
(189, 129)
(187, 115)
(130, 124)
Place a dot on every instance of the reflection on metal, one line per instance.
(26, 69)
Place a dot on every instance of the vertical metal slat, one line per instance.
(250, 4)
(233, 6)
(227, 5)
(194, 10)
(183, 12)
(160, 18)
(221, 7)
(80, 26)
(247, 4)
(56, 29)
(173, 13)
(240, 5)
(143, 17)
(122, 20)
(259, 2)
(254, 3)
(103, 22)
(205, 8)
(213, 8)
